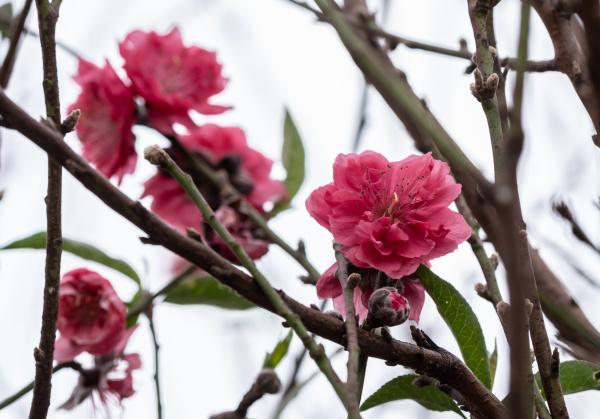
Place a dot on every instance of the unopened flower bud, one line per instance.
(70, 121)
(268, 381)
(156, 155)
(388, 306)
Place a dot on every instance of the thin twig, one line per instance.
(11, 399)
(485, 88)
(521, 279)
(159, 409)
(348, 283)
(159, 157)
(375, 30)
(292, 384)
(446, 368)
(16, 30)
(488, 267)
(540, 405)
(147, 301)
(44, 353)
(266, 382)
(292, 391)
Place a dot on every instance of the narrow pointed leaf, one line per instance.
(77, 248)
(6, 16)
(576, 376)
(272, 359)
(206, 290)
(494, 362)
(402, 388)
(293, 159)
(461, 320)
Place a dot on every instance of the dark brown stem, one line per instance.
(16, 30)
(521, 279)
(444, 367)
(156, 377)
(44, 353)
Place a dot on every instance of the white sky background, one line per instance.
(276, 55)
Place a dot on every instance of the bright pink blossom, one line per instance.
(410, 289)
(171, 77)
(390, 216)
(219, 143)
(111, 378)
(107, 117)
(171, 203)
(91, 317)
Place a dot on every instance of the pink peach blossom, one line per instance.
(390, 216)
(91, 317)
(110, 379)
(171, 77)
(107, 117)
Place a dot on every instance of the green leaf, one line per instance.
(292, 157)
(6, 15)
(208, 291)
(576, 376)
(273, 359)
(131, 320)
(77, 248)
(402, 388)
(494, 361)
(463, 323)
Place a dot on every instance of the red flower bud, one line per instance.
(388, 307)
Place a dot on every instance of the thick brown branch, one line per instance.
(445, 367)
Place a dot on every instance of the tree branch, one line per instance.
(44, 353)
(521, 279)
(159, 157)
(17, 27)
(159, 409)
(446, 368)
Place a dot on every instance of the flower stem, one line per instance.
(159, 157)
(156, 365)
(11, 399)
